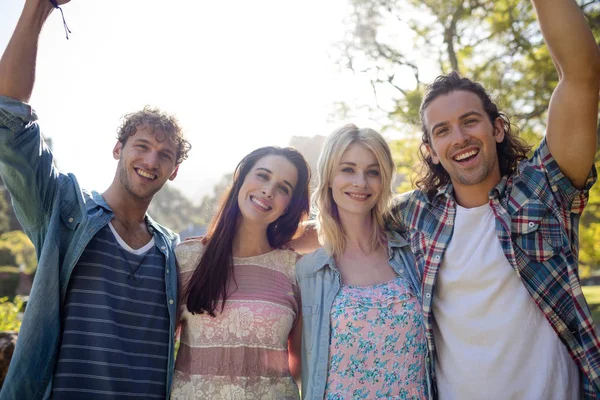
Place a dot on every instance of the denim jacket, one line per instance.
(320, 282)
(60, 219)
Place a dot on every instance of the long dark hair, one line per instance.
(510, 151)
(208, 284)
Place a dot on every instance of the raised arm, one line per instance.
(573, 114)
(17, 65)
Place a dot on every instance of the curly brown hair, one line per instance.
(158, 120)
(510, 151)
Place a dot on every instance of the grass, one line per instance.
(592, 295)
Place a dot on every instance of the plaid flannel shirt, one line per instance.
(537, 212)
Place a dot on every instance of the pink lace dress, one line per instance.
(242, 353)
(377, 347)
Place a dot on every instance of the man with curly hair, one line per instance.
(101, 318)
(494, 232)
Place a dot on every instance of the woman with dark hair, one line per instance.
(240, 305)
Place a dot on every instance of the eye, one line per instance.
(373, 172)
(166, 156)
(141, 146)
(441, 131)
(284, 189)
(263, 176)
(348, 170)
(470, 121)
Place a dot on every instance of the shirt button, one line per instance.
(428, 295)
(167, 270)
(437, 258)
(171, 301)
(163, 248)
(70, 219)
(531, 224)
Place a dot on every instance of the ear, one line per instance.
(434, 157)
(117, 150)
(174, 174)
(499, 130)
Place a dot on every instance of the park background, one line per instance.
(240, 75)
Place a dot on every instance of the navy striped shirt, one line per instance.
(115, 339)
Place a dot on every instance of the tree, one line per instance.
(401, 45)
(175, 211)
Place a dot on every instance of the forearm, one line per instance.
(17, 65)
(569, 39)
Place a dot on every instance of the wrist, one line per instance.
(37, 11)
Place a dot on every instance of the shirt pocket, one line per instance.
(536, 231)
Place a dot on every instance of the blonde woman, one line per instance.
(363, 331)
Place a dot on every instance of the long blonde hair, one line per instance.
(331, 233)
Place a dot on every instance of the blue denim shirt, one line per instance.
(60, 219)
(320, 282)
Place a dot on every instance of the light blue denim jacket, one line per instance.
(60, 219)
(320, 282)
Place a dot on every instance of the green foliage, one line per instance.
(592, 295)
(175, 211)
(10, 313)
(17, 250)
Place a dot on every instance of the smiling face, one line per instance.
(267, 190)
(146, 161)
(463, 141)
(356, 184)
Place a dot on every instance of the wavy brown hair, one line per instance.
(158, 120)
(510, 151)
(208, 284)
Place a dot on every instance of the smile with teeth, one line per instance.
(358, 196)
(260, 203)
(145, 174)
(464, 156)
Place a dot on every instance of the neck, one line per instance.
(469, 196)
(250, 240)
(358, 230)
(127, 208)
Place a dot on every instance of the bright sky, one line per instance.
(238, 74)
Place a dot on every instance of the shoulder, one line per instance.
(403, 208)
(168, 235)
(188, 254)
(310, 263)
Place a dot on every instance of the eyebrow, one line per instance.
(354, 164)
(271, 172)
(465, 115)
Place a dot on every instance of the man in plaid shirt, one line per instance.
(495, 234)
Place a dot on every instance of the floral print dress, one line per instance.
(377, 347)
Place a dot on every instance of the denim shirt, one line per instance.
(320, 282)
(60, 219)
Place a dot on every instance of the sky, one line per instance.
(238, 75)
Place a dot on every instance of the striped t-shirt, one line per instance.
(242, 353)
(115, 339)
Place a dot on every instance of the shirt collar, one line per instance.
(447, 190)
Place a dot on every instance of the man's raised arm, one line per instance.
(17, 65)
(573, 113)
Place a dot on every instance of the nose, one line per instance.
(151, 160)
(360, 180)
(460, 135)
(267, 190)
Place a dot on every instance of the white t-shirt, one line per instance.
(492, 340)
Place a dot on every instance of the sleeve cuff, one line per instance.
(577, 198)
(15, 115)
